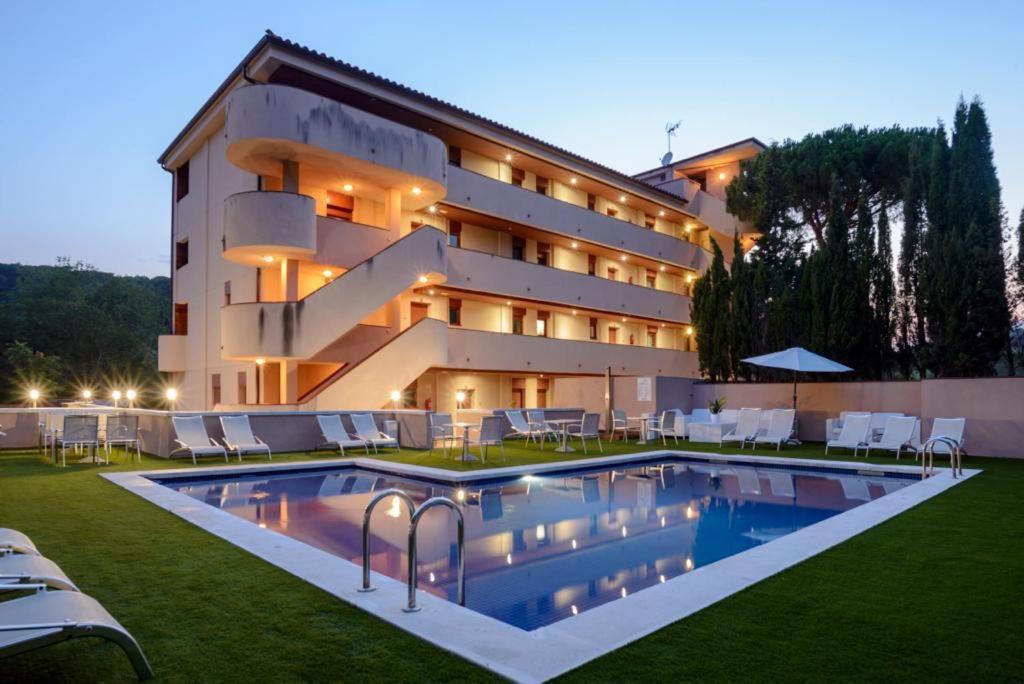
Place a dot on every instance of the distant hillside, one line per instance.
(69, 326)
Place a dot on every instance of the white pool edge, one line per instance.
(549, 651)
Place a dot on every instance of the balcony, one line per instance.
(480, 350)
(346, 244)
(712, 212)
(267, 124)
(170, 353)
(479, 193)
(279, 223)
(482, 272)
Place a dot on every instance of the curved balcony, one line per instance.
(260, 223)
(267, 124)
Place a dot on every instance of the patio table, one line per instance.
(645, 424)
(466, 456)
(564, 423)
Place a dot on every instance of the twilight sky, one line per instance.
(93, 92)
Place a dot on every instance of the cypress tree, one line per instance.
(710, 317)
(839, 297)
(911, 304)
(744, 312)
(937, 274)
(883, 294)
(864, 344)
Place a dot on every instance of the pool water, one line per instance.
(544, 548)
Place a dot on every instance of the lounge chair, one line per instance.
(522, 428)
(854, 434)
(587, 429)
(78, 432)
(488, 433)
(191, 435)
(780, 428)
(13, 541)
(898, 434)
(122, 430)
(366, 429)
(16, 570)
(748, 422)
(541, 426)
(749, 481)
(238, 437)
(855, 488)
(335, 434)
(441, 429)
(781, 483)
(953, 428)
(50, 617)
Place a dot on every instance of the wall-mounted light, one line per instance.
(34, 395)
(574, 312)
(622, 257)
(432, 209)
(328, 273)
(508, 156)
(661, 213)
(423, 278)
(575, 245)
(116, 396)
(268, 259)
(721, 175)
(662, 267)
(260, 361)
(573, 180)
(416, 190)
(347, 187)
(171, 395)
(622, 198)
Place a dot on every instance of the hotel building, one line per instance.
(337, 236)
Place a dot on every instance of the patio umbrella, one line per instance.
(798, 360)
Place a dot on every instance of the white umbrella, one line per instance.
(798, 360)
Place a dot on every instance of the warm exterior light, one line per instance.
(689, 278)
(460, 396)
(430, 292)
(432, 209)
(508, 156)
(721, 175)
(130, 395)
(347, 187)
(268, 259)
(423, 278)
(508, 559)
(260, 361)
(574, 544)
(171, 394)
(622, 257)
(574, 609)
(87, 394)
(116, 395)
(574, 312)
(460, 495)
(689, 564)
(416, 190)
(661, 268)
(395, 395)
(622, 198)
(689, 332)
(575, 245)
(661, 213)
(623, 319)
(573, 180)
(508, 303)
(623, 592)
(33, 394)
(328, 273)
(661, 578)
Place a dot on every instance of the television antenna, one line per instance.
(670, 130)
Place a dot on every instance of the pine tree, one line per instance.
(883, 295)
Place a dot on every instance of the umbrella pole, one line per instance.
(796, 424)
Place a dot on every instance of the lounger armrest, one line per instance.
(183, 445)
(213, 442)
(260, 441)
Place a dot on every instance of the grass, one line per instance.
(933, 594)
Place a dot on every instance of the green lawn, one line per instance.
(936, 593)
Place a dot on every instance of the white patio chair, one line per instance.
(855, 433)
(748, 422)
(952, 428)
(50, 617)
(780, 428)
(441, 429)
(16, 570)
(78, 432)
(191, 434)
(898, 434)
(122, 430)
(366, 429)
(673, 424)
(540, 426)
(335, 434)
(834, 425)
(620, 423)
(489, 433)
(13, 541)
(520, 426)
(238, 437)
(588, 428)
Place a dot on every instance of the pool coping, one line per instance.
(546, 652)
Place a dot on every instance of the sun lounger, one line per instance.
(898, 435)
(19, 569)
(367, 430)
(854, 434)
(335, 434)
(13, 541)
(748, 422)
(191, 434)
(780, 428)
(238, 437)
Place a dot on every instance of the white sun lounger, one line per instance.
(855, 488)
(50, 617)
(191, 435)
(854, 434)
(238, 437)
(13, 541)
(781, 483)
(780, 428)
(948, 427)
(18, 569)
(898, 434)
(335, 434)
(750, 483)
(747, 424)
(367, 430)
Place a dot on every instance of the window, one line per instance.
(518, 176)
(544, 323)
(593, 328)
(180, 253)
(243, 387)
(518, 315)
(613, 335)
(519, 248)
(591, 202)
(652, 278)
(648, 222)
(227, 292)
(652, 336)
(181, 182)
(542, 185)
(340, 206)
(543, 254)
(613, 273)
(454, 312)
(611, 211)
(455, 233)
(181, 319)
(455, 155)
(591, 264)
(215, 388)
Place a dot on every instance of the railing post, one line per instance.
(367, 512)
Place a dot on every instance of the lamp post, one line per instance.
(171, 395)
(130, 395)
(116, 396)
(33, 394)
(86, 395)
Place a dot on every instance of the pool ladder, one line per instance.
(956, 456)
(415, 515)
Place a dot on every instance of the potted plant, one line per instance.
(715, 407)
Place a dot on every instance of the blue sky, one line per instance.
(95, 91)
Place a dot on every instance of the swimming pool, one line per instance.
(548, 547)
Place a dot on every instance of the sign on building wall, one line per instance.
(643, 389)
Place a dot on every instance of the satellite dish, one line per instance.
(670, 130)
(666, 158)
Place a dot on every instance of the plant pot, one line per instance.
(716, 418)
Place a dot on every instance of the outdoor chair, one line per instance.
(541, 426)
(51, 617)
(522, 428)
(673, 424)
(489, 433)
(780, 428)
(78, 432)
(238, 437)
(748, 422)
(834, 425)
(781, 483)
(191, 434)
(441, 429)
(13, 541)
(122, 430)
(855, 433)
(334, 434)
(952, 428)
(17, 570)
(588, 428)
(898, 435)
(366, 429)
(620, 423)
(749, 481)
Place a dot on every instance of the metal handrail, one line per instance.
(366, 528)
(461, 539)
(956, 461)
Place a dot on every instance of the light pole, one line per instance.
(130, 395)
(33, 394)
(171, 395)
(116, 396)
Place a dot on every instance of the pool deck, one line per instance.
(546, 652)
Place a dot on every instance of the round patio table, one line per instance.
(564, 423)
(466, 456)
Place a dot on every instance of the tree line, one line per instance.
(823, 273)
(69, 327)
